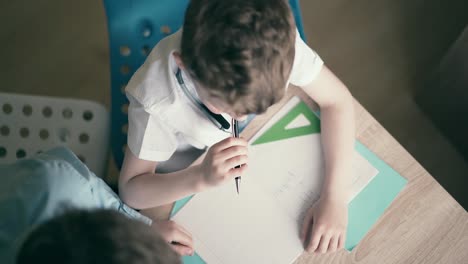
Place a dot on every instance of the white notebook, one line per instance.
(262, 224)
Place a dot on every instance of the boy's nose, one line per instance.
(240, 118)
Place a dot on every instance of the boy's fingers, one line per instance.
(324, 242)
(333, 243)
(182, 229)
(306, 224)
(314, 242)
(181, 249)
(232, 173)
(182, 238)
(232, 152)
(236, 161)
(229, 142)
(341, 241)
(315, 234)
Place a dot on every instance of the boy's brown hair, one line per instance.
(240, 51)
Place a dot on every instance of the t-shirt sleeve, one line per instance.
(307, 64)
(149, 138)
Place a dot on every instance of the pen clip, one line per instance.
(235, 127)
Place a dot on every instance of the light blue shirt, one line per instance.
(35, 189)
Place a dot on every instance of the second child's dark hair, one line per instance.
(240, 51)
(97, 236)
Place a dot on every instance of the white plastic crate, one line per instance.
(31, 124)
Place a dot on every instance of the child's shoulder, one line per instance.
(153, 83)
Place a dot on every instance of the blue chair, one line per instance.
(135, 27)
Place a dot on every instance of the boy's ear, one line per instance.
(178, 59)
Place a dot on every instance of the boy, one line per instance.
(235, 58)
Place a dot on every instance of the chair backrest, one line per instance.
(31, 124)
(135, 27)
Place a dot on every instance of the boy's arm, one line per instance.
(330, 214)
(141, 188)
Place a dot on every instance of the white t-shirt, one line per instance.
(163, 120)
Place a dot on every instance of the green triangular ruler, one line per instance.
(281, 131)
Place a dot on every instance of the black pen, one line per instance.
(235, 133)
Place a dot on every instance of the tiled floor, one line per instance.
(383, 50)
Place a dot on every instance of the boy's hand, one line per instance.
(324, 227)
(179, 239)
(222, 158)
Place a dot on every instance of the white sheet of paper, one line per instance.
(231, 229)
(261, 225)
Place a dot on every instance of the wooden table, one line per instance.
(424, 224)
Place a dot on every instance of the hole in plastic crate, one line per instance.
(82, 158)
(44, 134)
(125, 69)
(63, 134)
(3, 152)
(124, 108)
(20, 153)
(147, 30)
(145, 50)
(47, 111)
(125, 51)
(67, 113)
(165, 30)
(125, 129)
(27, 110)
(84, 138)
(4, 131)
(87, 115)
(39, 152)
(24, 132)
(7, 108)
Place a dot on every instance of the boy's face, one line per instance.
(215, 105)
